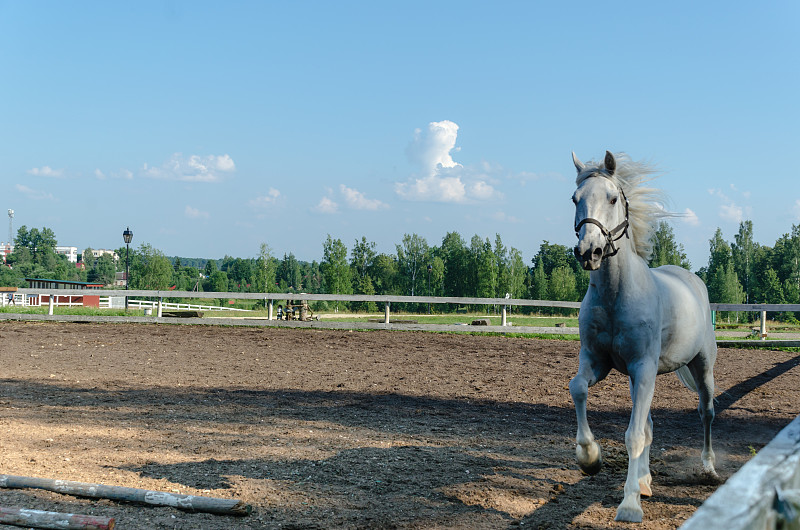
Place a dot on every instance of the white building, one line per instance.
(99, 252)
(70, 252)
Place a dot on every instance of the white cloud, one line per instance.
(690, 218)
(483, 191)
(731, 212)
(442, 179)
(796, 209)
(195, 168)
(121, 174)
(433, 188)
(431, 147)
(46, 171)
(263, 201)
(326, 205)
(194, 213)
(34, 194)
(503, 217)
(358, 201)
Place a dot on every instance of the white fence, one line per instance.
(763, 494)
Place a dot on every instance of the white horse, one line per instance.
(641, 321)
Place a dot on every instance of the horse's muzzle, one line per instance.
(591, 259)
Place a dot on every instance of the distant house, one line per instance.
(99, 252)
(85, 300)
(70, 252)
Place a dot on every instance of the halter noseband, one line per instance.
(622, 229)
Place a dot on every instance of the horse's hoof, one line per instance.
(644, 488)
(590, 459)
(629, 514)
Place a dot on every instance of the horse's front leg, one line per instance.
(590, 371)
(637, 440)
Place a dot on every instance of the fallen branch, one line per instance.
(189, 503)
(67, 521)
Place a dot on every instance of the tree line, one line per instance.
(740, 271)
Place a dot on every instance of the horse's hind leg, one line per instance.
(590, 371)
(702, 368)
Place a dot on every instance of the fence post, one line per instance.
(159, 306)
(386, 314)
(763, 325)
(50, 305)
(269, 313)
(503, 316)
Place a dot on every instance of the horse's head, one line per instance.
(601, 212)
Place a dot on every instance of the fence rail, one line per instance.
(520, 302)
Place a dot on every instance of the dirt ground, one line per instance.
(338, 429)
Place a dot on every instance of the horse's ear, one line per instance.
(578, 164)
(610, 164)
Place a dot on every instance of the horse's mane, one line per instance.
(646, 206)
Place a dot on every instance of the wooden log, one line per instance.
(182, 314)
(189, 503)
(40, 519)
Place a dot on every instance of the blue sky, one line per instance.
(211, 127)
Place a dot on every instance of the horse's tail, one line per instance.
(686, 378)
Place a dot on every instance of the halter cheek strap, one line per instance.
(621, 229)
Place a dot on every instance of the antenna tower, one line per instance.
(10, 227)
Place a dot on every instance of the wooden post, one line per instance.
(159, 307)
(269, 316)
(50, 305)
(386, 314)
(40, 519)
(503, 316)
(189, 503)
(763, 325)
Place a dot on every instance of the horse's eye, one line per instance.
(613, 201)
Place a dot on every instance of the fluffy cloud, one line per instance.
(264, 201)
(326, 205)
(46, 171)
(729, 210)
(690, 218)
(431, 147)
(121, 174)
(34, 194)
(358, 201)
(194, 213)
(195, 168)
(441, 178)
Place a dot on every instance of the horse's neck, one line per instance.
(619, 274)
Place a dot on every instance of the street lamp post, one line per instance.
(127, 236)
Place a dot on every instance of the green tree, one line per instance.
(334, 267)
(667, 251)
(267, 266)
(150, 269)
(362, 257)
(485, 267)
(104, 270)
(455, 255)
(743, 253)
(384, 274)
(516, 271)
(539, 287)
(411, 260)
(724, 288)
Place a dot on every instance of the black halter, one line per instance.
(622, 229)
